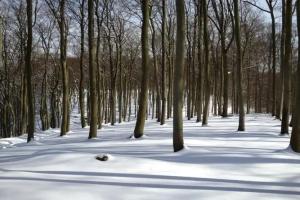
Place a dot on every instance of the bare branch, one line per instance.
(260, 8)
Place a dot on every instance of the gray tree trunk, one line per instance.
(241, 126)
(65, 73)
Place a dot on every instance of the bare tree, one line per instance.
(92, 71)
(163, 64)
(287, 68)
(59, 13)
(178, 90)
(207, 82)
(223, 19)
(295, 138)
(28, 65)
(143, 98)
(241, 126)
(199, 56)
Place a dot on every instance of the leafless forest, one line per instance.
(117, 60)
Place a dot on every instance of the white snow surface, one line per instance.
(218, 163)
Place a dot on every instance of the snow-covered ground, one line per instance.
(218, 163)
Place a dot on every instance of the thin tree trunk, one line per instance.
(188, 70)
(279, 97)
(225, 74)
(163, 66)
(120, 93)
(274, 105)
(193, 75)
(81, 81)
(65, 74)
(158, 106)
(206, 65)
(24, 110)
(199, 85)
(100, 73)
(31, 113)
(170, 66)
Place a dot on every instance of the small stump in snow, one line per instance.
(102, 157)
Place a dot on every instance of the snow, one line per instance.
(217, 163)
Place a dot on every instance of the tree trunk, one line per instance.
(31, 113)
(92, 71)
(163, 66)
(188, 70)
(287, 69)
(178, 81)
(65, 73)
(24, 110)
(43, 103)
(142, 111)
(199, 85)
(241, 126)
(158, 106)
(120, 94)
(100, 73)
(113, 73)
(206, 65)
(274, 105)
(279, 97)
(193, 75)
(295, 138)
(225, 74)
(81, 81)
(170, 66)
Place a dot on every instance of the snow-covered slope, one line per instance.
(218, 163)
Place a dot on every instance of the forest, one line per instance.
(171, 94)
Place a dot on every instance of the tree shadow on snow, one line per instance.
(139, 183)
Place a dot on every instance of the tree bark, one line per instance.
(178, 82)
(143, 96)
(241, 126)
(28, 65)
(153, 39)
(206, 65)
(100, 71)
(287, 69)
(163, 66)
(295, 138)
(199, 85)
(274, 105)
(81, 81)
(65, 73)
(92, 71)
(279, 97)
